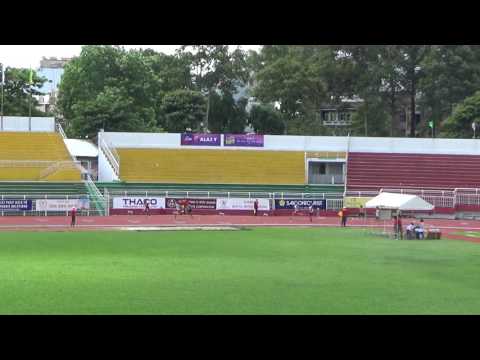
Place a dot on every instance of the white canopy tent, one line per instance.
(400, 202)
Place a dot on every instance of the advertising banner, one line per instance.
(243, 140)
(242, 204)
(301, 203)
(355, 202)
(61, 204)
(204, 204)
(200, 139)
(15, 205)
(138, 202)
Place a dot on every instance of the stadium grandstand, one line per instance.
(38, 162)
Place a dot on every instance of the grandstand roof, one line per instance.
(82, 148)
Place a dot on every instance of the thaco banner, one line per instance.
(252, 140)
(61, 204)
(204, 204)
(15, 205)
(301, 203)
(242, 204)
(138, 202)
(200, 139)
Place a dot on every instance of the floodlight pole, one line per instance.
(1, 104)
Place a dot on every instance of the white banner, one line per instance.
(242, 204)
(61, 204)
(138, 202)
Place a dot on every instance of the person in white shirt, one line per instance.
(410, 230)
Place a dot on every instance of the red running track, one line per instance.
(116, 221)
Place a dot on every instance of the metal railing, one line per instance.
(79, 199)
(225, 194)
(326, 179)
(112, 156)
(96, 196)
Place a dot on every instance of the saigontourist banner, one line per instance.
(61, 204)
(243, 140)
(242, 204)
(204, 204)
(301, 203)
(138, 202)
(15, 205)
(200, 139)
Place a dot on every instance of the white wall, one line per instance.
(21, 123)
(310, 143)
(105, 171)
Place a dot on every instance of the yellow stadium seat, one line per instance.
(192, 166)
(20, 150)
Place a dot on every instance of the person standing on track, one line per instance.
(147, 208)
(343, 216)
(73, 213)
(310, 212)
(255, 207)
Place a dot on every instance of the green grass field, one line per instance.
(258, 271)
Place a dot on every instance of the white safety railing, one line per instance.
(225, 194)
(112, 156)
(50, 204)
(60, 131)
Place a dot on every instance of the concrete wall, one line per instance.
(21, 123)
(310, 143)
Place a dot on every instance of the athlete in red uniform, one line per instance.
(73, 213)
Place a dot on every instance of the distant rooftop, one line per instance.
(53, 62)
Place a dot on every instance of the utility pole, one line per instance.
(208, 111)
(1, 104)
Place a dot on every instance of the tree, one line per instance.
(412, 71)
(183, 109)
(219, 73)
(18, 92)
(112, 109)
(226, 115)
(107, 79)
(215, 67)
(459, 124)
(266, 120)
(452, 73)
(300, 79)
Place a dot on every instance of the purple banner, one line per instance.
(243, 140)
(200, 139)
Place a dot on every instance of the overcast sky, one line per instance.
(29, 55)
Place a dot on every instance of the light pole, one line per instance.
(1, 104)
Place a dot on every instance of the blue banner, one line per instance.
(15, 205)
(301, 203)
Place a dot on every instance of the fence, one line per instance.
(47, 205)
(334, 201)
